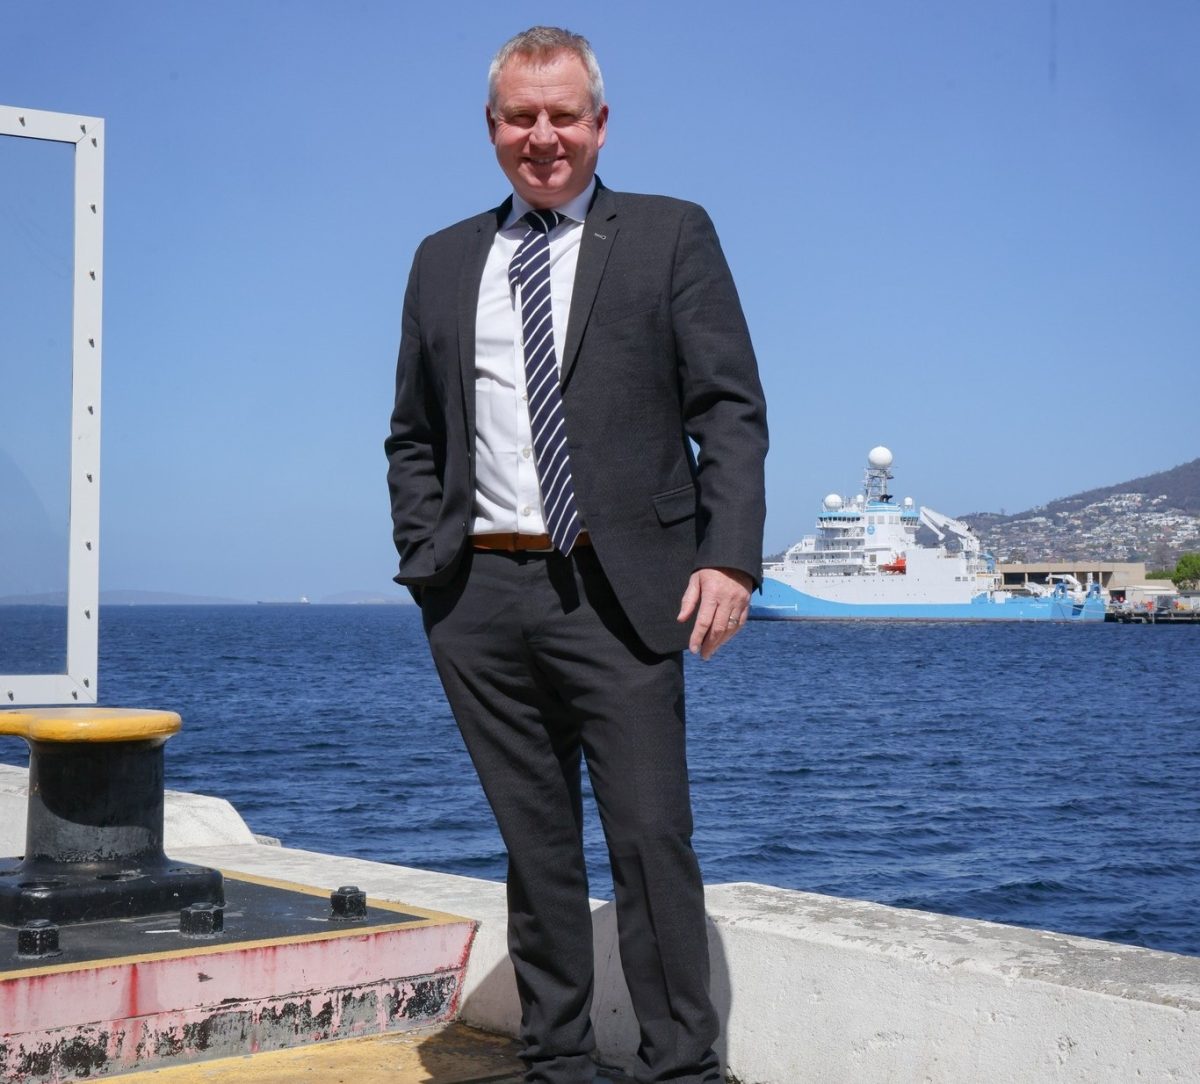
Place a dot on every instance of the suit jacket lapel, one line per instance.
(478, 248)
(599, 232)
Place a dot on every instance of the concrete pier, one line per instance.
(809, 987)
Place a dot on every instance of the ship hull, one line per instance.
(866, 562)
(780, 602)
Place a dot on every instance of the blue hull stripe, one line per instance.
(779, 602)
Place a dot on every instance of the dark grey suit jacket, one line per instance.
(657, 357)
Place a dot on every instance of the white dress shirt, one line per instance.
(507, 496)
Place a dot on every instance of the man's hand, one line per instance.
(719, 598)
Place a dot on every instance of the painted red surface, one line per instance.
(111, 1017)
(163, 984)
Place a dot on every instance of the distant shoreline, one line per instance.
(163, 598)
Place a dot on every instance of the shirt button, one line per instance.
(526, 452)
(527, 511)
(524, 397)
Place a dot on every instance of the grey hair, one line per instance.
(542, 43)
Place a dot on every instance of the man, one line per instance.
(565, 542)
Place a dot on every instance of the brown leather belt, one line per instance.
(512, 542)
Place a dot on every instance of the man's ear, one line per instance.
(491, 123)
(602, 125)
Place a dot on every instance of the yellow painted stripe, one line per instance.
(89, 724)
(430, 918)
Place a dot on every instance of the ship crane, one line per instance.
(942, 525)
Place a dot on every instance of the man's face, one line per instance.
(546, 134)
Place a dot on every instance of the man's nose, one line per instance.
(543, 130)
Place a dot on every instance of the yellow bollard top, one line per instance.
(89, 724)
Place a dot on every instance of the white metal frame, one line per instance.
(78, 684)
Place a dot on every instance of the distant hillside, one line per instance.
(164, 598)
(1180, 487)
(1152, 519)
(122, 598)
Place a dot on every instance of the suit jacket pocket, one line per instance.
(675, 505)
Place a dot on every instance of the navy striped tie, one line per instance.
(531, 268)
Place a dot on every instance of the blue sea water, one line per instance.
(1041, 775)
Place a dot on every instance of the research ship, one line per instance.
(865, 561)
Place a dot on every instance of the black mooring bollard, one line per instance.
(94, 834)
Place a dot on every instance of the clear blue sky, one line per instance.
(968, 231)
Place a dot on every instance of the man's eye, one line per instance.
(563, 120)
(521, 120)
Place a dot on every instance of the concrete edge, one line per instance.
(814, 988)
(809, 987)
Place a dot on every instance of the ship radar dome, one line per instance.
(879, 456)
(908, 502)
(833, 502)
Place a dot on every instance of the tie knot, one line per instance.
(542, 221)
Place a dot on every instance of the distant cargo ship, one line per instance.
(865, 562)
(301, 601)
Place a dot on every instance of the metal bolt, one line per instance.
(348, 903)
(201, 920)
(38, 938)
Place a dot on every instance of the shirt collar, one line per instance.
(575, 209)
